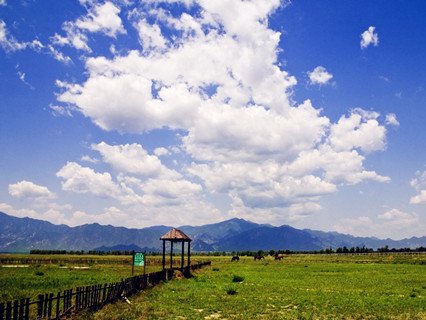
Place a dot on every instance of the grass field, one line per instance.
(26, 276)
(300, 287)
(372, 286)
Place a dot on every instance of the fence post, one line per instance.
(104, 293)
(27, 309)
(40, 304)
(49, 310)
(69, 299)
(77, 298)
(21, 309)
(58, 301)
(1, 311)
(8, 310)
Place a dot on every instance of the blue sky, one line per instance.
(137, 113)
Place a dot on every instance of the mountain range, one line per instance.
(25, 234)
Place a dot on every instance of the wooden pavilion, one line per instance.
(175, 235)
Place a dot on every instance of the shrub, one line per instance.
(231, 291)
(237, 279)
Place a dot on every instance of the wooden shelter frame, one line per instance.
(176, 236)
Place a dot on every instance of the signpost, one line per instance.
(138, 261)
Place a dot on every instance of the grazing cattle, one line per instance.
(258, 257)
(279, 257)
(235, 258)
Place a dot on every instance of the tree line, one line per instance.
(249, 253)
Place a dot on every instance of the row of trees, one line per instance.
(83, 252)
(344, 249)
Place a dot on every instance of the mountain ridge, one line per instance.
(25, 234)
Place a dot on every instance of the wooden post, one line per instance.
(133, 262)
(171, 254)
(144, 262)
(40, 304)
(27, 309)
(15, 309)
(9, 310)
(182, 256)
(164, 254)
(58, 301)
(189, 253)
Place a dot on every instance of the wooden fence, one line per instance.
(63, 304)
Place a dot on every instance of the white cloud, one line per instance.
(392, 120)
(133, 159)
(27, 189)
(74, 37)
(369, 37)
(59, 55)
(87, 158)
(419, 184)
(240, 131)
(85, 180)
(3, 3)
(9, 43)
(102, 18)
(360, 130)
(60, 111)
(150, 36)
(319, 76)
(394, 223)
(420, 198)
(399, 217)
(159, 152)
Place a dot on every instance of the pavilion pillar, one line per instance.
(182, 258)
(171, 254)
(164, 254)
(189, 253)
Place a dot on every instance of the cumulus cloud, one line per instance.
(3, 3)
(419, 184)
(103, 18)
(360, 129)
(27, 189)
(319, 76)
(150, 36)
(159, 152)
(74, 37)
(420, 198)
(369, 37)
(240, 132)
(392, 120)
(133, 159)
(85, 180)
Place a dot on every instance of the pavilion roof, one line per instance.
(175, 235)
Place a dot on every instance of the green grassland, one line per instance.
(391, 286)
(302, 286)
(26, 276)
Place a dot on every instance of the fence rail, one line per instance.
(61, 305)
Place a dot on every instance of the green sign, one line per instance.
(139, 259)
